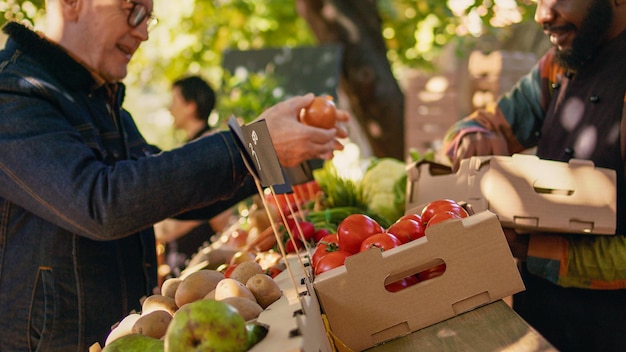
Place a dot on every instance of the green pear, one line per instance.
(206, 325)
(135, 343)
(256, 332)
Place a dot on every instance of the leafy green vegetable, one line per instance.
(384, 188)
(380, 193)
(339, 191)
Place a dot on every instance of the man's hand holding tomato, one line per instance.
(295, 141)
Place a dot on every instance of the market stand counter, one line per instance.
(297, 324)
(494, 327)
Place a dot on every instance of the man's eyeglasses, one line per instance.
(139, 13)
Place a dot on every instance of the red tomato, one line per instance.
(440, 205)
(431, 272)
(331, 260)
(326, 245)
(441, 217)
(320, 113)
(352, 230)
(402, 284)
(407, 229)
(411, 216)
(384, 241)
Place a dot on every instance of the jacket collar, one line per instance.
(52, 57)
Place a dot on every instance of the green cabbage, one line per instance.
(384, 188)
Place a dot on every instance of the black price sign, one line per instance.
(255, 145)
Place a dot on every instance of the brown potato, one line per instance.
(159, 302)
(243, 271)
(197, 285)
(153, 324)
(232, 288)
(245, 307)
(265, 290)
(169, 286)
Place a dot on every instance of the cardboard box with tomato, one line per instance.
(479, 269)
(525, 192)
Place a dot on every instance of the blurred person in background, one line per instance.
(192, 101)
(571, 105)
(80, 187)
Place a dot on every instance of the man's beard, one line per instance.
(591, 30)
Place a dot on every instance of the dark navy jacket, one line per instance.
(79, 191)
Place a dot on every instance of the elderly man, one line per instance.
(571, 105)
(79, 186)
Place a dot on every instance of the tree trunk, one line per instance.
(373, 93)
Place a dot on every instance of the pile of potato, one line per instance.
(248, 289)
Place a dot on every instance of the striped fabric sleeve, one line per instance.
(518, 114)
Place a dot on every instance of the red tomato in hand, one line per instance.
(441, 217)
(441, 205)
(331, 260)
(352, 230)
(320, 113)
(326, 245)
(384, 241)
(407, 229)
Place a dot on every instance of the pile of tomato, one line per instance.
(359, 232)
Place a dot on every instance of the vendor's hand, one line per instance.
(518, 243)
(295, 142)
(478, 144)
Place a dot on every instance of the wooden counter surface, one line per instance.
(493, 327)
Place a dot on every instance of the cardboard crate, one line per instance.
(479, 270)
(524, 191)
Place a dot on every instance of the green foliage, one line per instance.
(247, 94)
(22, 11)
(415, 30)
(192, 34)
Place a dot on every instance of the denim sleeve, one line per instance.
(48, 168)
